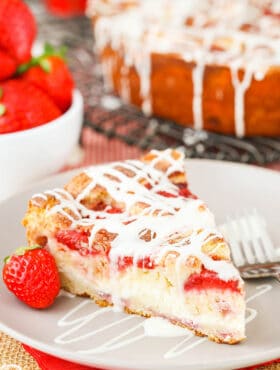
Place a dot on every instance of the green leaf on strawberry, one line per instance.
(45, 65)
(41, 60)
(50, 50)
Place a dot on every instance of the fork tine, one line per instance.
(267, 246)
(231, 233)
(252, 250)
(246, 241)
(256, 239)
(236, 254)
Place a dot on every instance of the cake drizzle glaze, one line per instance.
(178, 226)
(159, 26)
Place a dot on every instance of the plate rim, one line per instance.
(74, 171)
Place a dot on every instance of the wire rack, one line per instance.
(126, 122)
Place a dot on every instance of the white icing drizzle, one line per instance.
(125, 85)
(143, 68)
(198, 76)
(240, 88)
(40, 195)
(243, 35)
(185, 220)
(159, 327)
(198, 73)
(107, 72)
(110, 102)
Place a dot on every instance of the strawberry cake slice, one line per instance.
(131, 234)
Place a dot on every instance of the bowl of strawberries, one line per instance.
(41, 112)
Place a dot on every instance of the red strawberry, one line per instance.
(166, 194)
(73, 239)
(66, 7)
(186, 193)
(114, 210)
(50, 73)
(17, 29)
(23, 106)
(8, 65)
(32, 275)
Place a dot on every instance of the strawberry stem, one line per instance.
(42, 60)
(2, 109)
(7, 259)
(45, 65)
(21, 251)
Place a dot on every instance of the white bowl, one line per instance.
(29, 155)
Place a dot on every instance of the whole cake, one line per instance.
(209, 64)
(132, 234)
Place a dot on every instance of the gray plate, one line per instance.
(76, 329)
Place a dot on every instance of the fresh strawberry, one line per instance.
(11, 123)
(17, 29)
(50, 73)
(114, 210)
(166, 194)
(73, 239)
(186, 193)
(8, 65)
(66, 8)
(23, 106)
(32, 275)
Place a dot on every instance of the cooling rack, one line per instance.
(106, 114)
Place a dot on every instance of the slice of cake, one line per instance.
(132, 234)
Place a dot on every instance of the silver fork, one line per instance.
(252, 250)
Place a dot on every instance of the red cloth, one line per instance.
(47, 362)
(98, 149)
